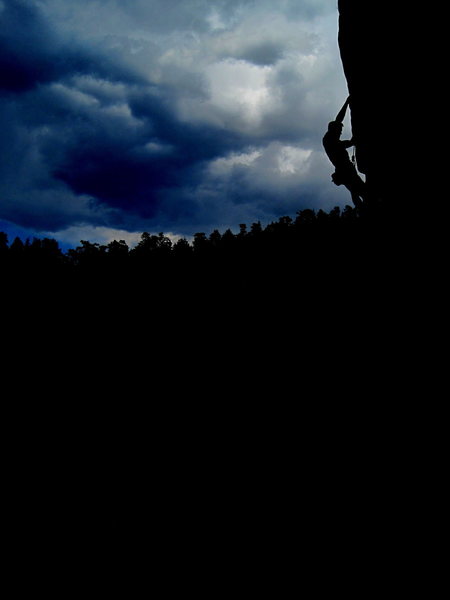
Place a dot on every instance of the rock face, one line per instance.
(373, 50)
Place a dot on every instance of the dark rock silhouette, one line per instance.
(375, 52)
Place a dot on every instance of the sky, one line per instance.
(173, 116)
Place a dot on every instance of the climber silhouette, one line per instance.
(336, 149)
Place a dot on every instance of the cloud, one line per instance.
(159, 116)
(32, 52)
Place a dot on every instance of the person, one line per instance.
(336, 150)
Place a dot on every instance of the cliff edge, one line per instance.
(375, 48)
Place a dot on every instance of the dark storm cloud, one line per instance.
(23, 61)
(128, 157)
(121, 159)
(31, 53)
(166, 115)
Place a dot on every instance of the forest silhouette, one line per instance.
(280, 255)
(166, 348)
(293, 279)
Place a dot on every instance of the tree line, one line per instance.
(304, 260)
(159, 250)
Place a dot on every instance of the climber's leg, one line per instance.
(356, 199)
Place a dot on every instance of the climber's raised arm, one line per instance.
(341, 114)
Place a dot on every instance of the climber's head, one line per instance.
(335, 127)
